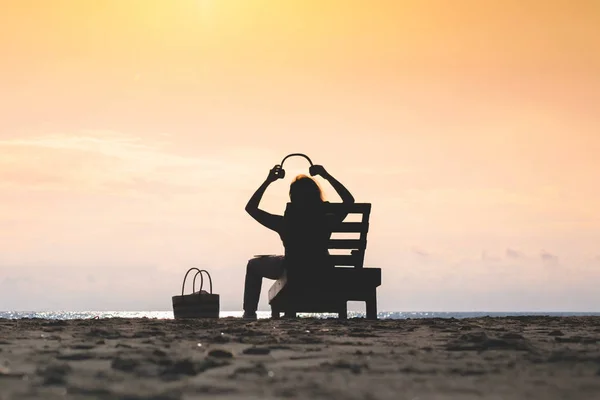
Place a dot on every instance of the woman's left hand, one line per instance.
(318, 170)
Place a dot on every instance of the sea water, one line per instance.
(267, 314)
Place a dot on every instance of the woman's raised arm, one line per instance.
(271, 221)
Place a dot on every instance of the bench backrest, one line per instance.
(355, 246)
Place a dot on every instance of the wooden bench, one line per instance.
(330, 290)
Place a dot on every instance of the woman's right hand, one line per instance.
(275, 173)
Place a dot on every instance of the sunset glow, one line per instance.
(133, 132)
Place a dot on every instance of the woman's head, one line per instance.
(305, 191)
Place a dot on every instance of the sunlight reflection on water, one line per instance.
(266, 314)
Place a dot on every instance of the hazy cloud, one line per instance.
(514, 254)
(487, 257)
(420, 252)
(548, 257)
(105, 161)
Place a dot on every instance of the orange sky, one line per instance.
(133, 133)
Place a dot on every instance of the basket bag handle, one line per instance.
(199, 272)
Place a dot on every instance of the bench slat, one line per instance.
(352, 208)
(347, 244)
(351, 227)
(343, 259)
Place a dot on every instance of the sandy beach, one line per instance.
(482, 358)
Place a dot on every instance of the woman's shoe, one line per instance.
(249, 315)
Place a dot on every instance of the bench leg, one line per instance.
(275, 313)
(290, 314)
(372, 305)
(343, 313)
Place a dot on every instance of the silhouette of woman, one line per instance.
(304, 231)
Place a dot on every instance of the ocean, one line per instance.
(267, 314)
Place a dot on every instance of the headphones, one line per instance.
(282, 171)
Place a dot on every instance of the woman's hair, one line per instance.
(305, 190)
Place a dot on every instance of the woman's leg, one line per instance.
(260, 267)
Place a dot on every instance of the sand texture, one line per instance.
(482, 358)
